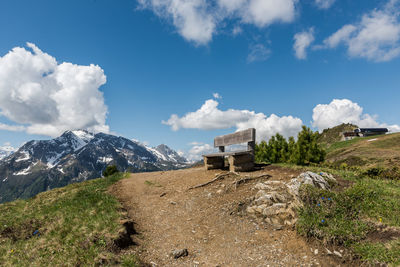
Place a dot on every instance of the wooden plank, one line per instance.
(248, 135)
(227, 154)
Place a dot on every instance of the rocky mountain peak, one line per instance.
(75, 156)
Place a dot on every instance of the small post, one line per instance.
(251, 146)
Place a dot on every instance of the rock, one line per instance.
(251, 209)
(307, 178)
(276, 197)
(274, 183)
(274, 209)
(177, 253)
(316, 251)
(172, 203)
(266, 199)
(261, 208)
(276, 202)
(262, 186)
(337, 253)
(260, 193)
(329, 177)
(328, 251)
(219, 191)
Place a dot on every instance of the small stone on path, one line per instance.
(177, 253)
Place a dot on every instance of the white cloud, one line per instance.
(342, 35)
(302, 41)
(217, 96)
(265, 12)
(198, 20)
(47, 98)
(375, 37)
(13, 128)
(209, 117)
(324, 4)
(258, 52)
(237, 30)
(345, 111)
(198, 150)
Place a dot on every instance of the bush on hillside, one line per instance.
(303, 152)
(110, 170)
(383, 173)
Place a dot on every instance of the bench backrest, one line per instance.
(248, 136)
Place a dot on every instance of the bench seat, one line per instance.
(232, 153)
(238, 160)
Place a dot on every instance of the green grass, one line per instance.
(388, 143)
(75, 225)
(344, 144)
(347, 217)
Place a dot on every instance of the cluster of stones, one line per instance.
(276, 202)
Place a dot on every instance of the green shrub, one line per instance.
(383, 173)
(305, 151)
(110, 170)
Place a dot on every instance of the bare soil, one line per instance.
(210, 221)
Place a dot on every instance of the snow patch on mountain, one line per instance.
(84, 135)
(25, 156)
(23, 172)
(156, 153)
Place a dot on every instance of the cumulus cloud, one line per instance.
(302, 41)
(324, 4)
(217, 96)
(198, 20)
(198, 150)
(258, 52)
(45, 97)
(209, 117)
(345, 111)
(375, 37)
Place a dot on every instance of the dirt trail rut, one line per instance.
(210, 222)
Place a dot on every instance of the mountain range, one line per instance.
(77, 156)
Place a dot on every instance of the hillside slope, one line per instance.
(77, 225)
(332, 135)
(382, 150)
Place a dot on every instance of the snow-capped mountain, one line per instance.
(77, 156)
(5, 151)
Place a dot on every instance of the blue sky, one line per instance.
(153, 58)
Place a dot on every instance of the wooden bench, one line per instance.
(238, 160)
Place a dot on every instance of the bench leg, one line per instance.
(241, 163)
(211, 163)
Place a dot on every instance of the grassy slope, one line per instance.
(332, 135)
(366, 152)
(349, 217)
(76, 225)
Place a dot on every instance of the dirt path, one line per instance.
(209, 222)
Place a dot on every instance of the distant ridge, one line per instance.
(77, 156)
